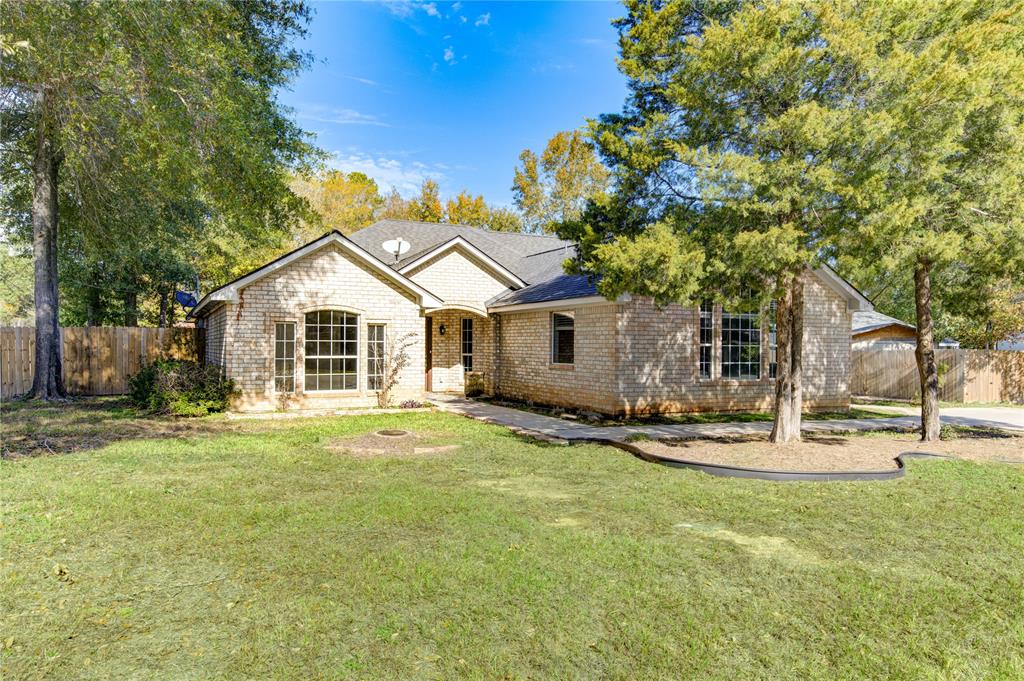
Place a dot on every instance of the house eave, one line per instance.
(492, 265)
(559, 303)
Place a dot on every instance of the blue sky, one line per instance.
(454, 91)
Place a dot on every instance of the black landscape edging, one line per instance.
(725, 471)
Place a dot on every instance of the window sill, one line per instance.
(561, 367)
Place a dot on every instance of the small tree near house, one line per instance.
(395, 360)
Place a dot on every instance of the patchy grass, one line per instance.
(680, 419)
(942, 404)
(265, 553)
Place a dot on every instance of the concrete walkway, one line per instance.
(551, 427)
(1006, 418)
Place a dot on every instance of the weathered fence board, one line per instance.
(97, 360)
(964, 375)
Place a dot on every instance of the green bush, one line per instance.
(170, 386)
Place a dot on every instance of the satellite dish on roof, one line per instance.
(396, 247)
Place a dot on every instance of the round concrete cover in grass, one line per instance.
(392, 432)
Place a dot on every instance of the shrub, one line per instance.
(169, 386)
(411, 404)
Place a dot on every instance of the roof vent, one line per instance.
(396, 247)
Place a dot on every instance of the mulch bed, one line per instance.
(832, 453)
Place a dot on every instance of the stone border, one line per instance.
(725, 471)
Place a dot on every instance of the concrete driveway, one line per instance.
(1008, 418)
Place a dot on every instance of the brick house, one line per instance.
(496, 311)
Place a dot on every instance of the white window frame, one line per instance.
(331, 356)
(568, 314)
(281, 355)
(462, 343)
(732, 322)
(383, 342)
(706, 313)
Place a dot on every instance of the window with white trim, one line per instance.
(284, 357)
(467, 344)
(563, 338)
(332, 350)
(773, 340)
(741, 345)
(707, 336)
(375, 335)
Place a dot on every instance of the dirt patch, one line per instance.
(373, 445)
(833, 453)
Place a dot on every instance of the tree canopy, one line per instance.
(556, 186)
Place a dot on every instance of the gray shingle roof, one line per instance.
(868, 320)
(559, 287)
(530, 257)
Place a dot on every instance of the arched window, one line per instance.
(332, 350)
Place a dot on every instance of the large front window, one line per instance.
(741, 345)
(332, 350)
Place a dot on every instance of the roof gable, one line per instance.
(493, 267)
(230, 291)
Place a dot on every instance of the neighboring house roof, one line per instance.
(229, 292)
(531, 257)
(870, 320)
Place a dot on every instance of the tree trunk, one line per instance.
(796, 364)
(131, 308)
(48, 382)
(925, 353)
(789, 327)
(163, 308)
(783, 375)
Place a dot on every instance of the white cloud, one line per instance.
(449, 55)
(457, 6)
(483, 20)
(463, 19)
(431, 9)
(406, 177)
(336, 116)
(364, 81)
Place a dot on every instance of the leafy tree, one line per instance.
(427, 206)
(125, 114)
(504, 220)
(15, 284)
(346, 202)
(555, 187)
(941, 212)
(394, 207)
(726, 163)
(466, 209)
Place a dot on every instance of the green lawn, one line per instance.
(264, 553)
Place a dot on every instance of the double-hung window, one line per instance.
(773, 340)
(284, 357)
(707, 335)
(741, 345)
(375, 334)
(332, 350)
(563, 338)
(467, 344)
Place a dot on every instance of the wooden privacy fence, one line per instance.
(964, 375)
(97, 360)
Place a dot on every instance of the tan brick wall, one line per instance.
(447, 372)
(524, 364)
(216, 327)
(328, 278)
(458, 279)
(636, 357)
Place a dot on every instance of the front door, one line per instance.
(430, 351)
